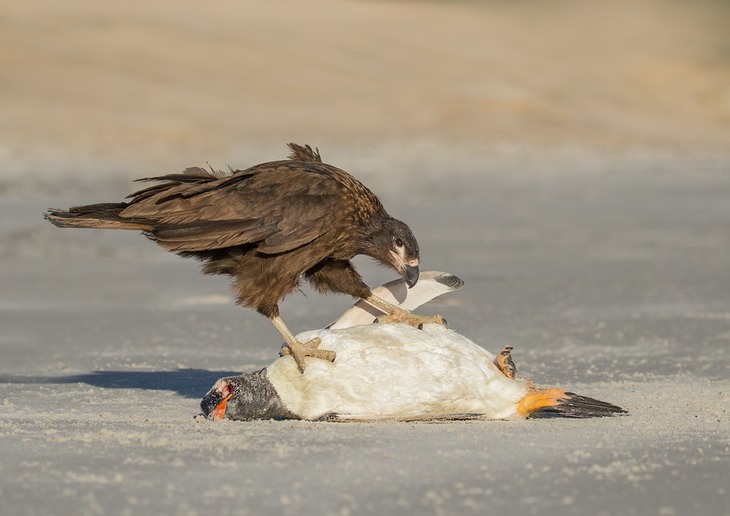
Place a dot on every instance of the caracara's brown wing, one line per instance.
(279, 205)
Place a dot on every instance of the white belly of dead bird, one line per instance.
(395, 371)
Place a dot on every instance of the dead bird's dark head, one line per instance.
(246, 397)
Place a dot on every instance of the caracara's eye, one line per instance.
(398, 242)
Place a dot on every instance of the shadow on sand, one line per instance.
(190, 383)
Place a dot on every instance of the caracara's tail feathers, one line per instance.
(101, 216)
(545, 403)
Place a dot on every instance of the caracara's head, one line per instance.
(393, 244)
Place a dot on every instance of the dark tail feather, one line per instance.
(103, 216)
(574, 406)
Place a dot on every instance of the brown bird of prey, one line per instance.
(268, 227)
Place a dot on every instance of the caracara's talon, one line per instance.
(504, 362)
(299, 350)
(420, 326)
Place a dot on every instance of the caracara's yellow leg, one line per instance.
(397, 314)
(299, 350)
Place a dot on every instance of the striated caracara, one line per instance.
(268, 227)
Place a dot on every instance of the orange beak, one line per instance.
(220, 410)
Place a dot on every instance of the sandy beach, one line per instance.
(570, 164)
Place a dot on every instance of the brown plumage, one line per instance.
(267, 227)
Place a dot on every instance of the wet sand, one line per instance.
(596, 244)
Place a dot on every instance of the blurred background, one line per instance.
(90, 89)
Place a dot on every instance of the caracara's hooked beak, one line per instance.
(410, 274)
(407, 269)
